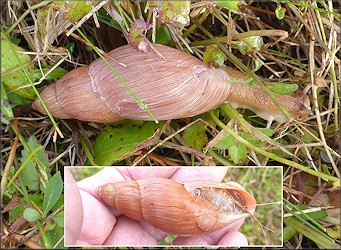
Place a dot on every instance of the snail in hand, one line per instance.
(176, 86)
(183, 209)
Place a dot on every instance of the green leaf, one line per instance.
(136, 36)
(31, 214)
(162, 35)
(37, 198)
(11, 189)
(25, 96)
(288, 233)
(245, 82)
(18, 79)
(240, 47)
(334, 232)
(41, 154)
(70, 47)
(55, 237)
(237, 152)
(53, 191)
(6, 109)
(316, 236)
(280, 152)
(258, 63)
(55, 74)
(316, 215)
(104, 17)
(229, 4)
(213, 55)
(8, 59)
(226, 142)
(46, 241)
(195, 136)
(16, 212)
(168, 240)
(50, 225)
(282, 88)
(172, 12)
(266, 131)
(74, 10)
(256, 139)
(280, 12)
(118, 140)
(41, 19)
(12, 75)
(17, 99)
(253, 140)
(59, 219)
(29, 173)
(248, 44)
(256, 42)
(15, 40)
(207, 117)
(59, 203)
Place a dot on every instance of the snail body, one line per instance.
(183, 209)
(176, 86)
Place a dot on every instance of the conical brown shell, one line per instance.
(177, 86)
(171, 206)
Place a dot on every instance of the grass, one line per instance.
(80, 173)
(264, 184)
(300, 46)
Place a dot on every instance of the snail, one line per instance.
(183, 209)
(176, 86)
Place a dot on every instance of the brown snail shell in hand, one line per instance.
(186, 209)
(176, 86)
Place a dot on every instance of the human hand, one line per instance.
(101, 225)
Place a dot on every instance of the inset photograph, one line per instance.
(182, 206)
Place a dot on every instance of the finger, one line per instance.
(98, 221)
(73, 209)
(217, 235)
(139, 173)
(184, 174)
(106, 175)
(112, 174)
(234, 239)
(211, 238)
(231, 238)
(129, 232)
(158, 234)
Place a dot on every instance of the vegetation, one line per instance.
(293, 45)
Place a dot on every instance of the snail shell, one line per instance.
(176, 86)
(186, 209)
